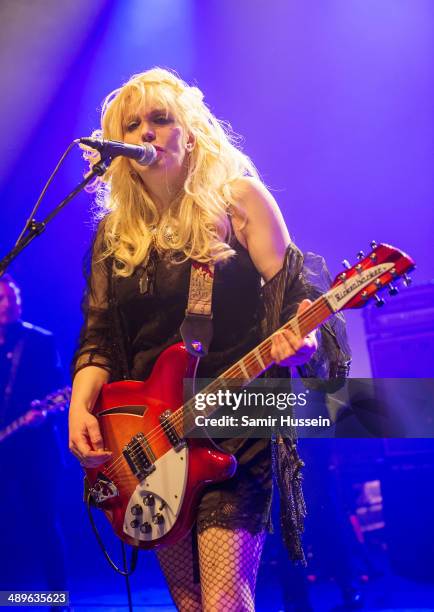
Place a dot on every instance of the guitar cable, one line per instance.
(134, 552)
(127, 576)
(126, 572)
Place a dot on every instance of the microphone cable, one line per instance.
(44, 191)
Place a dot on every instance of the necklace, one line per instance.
(169, 233)
(149, 266)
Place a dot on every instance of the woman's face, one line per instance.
(163, 131)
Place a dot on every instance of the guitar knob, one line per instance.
(158, 519)
(346, 264)
(149, 500)
(373, 244)
(134, 524)
(393, 290)
(360, 255)
(378, 301)
(146, 528)
(136, 510)
(407, 280)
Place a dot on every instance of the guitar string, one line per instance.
(305, 318)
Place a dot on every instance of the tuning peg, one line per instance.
(378, 301)
(407, 280)
(373, 244)
(393, 290)
(360, 255)
(346, 264)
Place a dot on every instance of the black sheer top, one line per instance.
(127, 328)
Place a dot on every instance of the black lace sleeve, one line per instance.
(332, 360)
(301, 276)
(306, 276)
(95, 347)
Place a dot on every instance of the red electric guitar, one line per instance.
(150, 488)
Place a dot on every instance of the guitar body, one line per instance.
(150, 489)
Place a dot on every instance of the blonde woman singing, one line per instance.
(200, 200)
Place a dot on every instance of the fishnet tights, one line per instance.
(228, 562)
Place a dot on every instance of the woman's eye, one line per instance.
(133, 125)
(162, 119)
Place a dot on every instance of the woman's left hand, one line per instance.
(288, 349)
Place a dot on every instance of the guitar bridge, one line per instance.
(139, 456)
(170, 430)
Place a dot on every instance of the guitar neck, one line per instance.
(52, 403)
(258, 360)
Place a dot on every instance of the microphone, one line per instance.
(145, 154)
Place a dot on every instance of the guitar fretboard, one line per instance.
(254, 363)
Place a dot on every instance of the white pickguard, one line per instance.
(167, 486)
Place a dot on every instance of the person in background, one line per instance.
(32, 555)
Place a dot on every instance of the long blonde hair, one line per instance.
(198, 223)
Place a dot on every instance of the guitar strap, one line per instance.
(197, 328)
(196, 331)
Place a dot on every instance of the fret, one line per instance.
(294, 326)
(243, 369)
(257, 354)
(265, 349)
(310, 319)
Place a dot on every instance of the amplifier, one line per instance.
(410, 311)
(402, 355)
(401, 336)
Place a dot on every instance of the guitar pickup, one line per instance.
(170, 430)
(139, 456)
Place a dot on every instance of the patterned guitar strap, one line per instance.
(197, 331)
(197, 328)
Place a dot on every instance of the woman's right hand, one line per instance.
(85, 439)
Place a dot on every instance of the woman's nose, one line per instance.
(148, 136)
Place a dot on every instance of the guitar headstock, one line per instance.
(54, 402)
(357, 284)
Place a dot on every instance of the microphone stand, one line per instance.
(35, 228)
